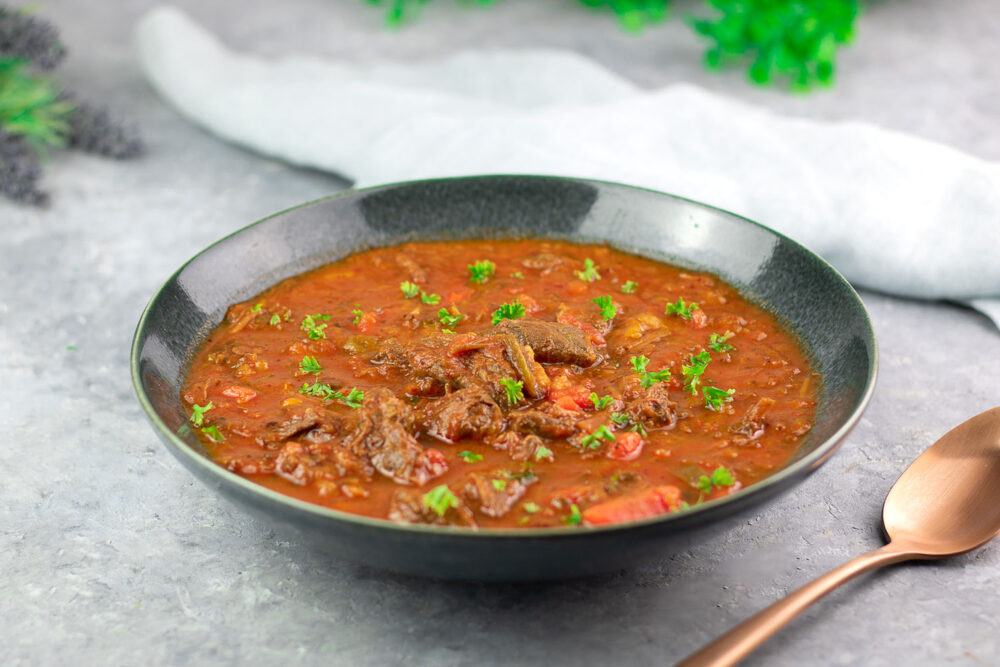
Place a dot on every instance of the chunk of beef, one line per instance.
(468, 413)
(495, 494)
(534, 378)
(519, 446)
(552, 342)
(545, 262)
(653, 407)
(550, 421)
(383, 437)
(751, 426)
(409, 507)
(242, 359)
(301, 463)
(429, 359)
(306, 423)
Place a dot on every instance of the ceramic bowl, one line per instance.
(805, 292)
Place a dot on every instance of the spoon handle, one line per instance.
(739, 642)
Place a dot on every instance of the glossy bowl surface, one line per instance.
(768, 268)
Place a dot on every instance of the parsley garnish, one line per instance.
(680, 308)
(619, 418)
(499, 484)
(629, 287)
(509, 311)
(574, 517)
(639, 428)
(543, 452)
(481, 271)
(714, 397)
(448, 319)
(518, 275)
(470, 457)
(409, 289)
(310, 365)
(720, 477)
(593, 441)
(440, 499)
(198, 413)
(531, 508)
(358, 314)
(322, 390)
(718, 343)
(256, 308)
(432, 299)
(608, 311)
(309, 324)
(600, 402)
(649, 378)
(513, 388)
(589, 273)
(213, 433)
(694, 370)
(276, 319)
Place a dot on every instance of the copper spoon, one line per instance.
(946, 503)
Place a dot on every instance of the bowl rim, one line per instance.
(758, 490)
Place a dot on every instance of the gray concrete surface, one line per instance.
(110, 553)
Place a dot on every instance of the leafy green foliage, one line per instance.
(719, 343)
(310, 365)
(593, 441)
(574, 517)
(198, 413)
(470, 456)
(324, 391)
(514, 390)
(648, 378)
(30, 106)
(440, 499)
(481, 271)
(600, 402)
(509, 311)
(720, 477)
(432, 299)
(589, 273)
(629, 287)
(409, 289)
(608, 310)
(448, 319)
(684, 310)
(715, 397)
(310, 324)
(693, 370)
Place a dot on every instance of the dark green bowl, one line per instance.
(769, 269)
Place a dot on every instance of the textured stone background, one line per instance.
(110, 553)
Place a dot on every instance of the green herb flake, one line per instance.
(213, 434)
(432, 299)
(310, 365)
(353, 398)
(720, 477)
(256, 308)
(718, 343)
(509, 311)
(682, 309)
(198, 413)
(440, 499)
(310, 324)
(593, 441)
(629, 287)
(639, 428)
(714, 397)
(648, 378)
(481, 271)
(600, 402)
(518, 275)
(499, 484)
(275, 320)
(358, 314)
(589, 273)
(608, 310)
(470, 457)
(409, 289)
(514, 390)
(694, 370)
(574, 517)
(448, 319)
(619, 418)
(543, 452)
(531, 508)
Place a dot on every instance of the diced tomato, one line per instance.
(458, 296)
(241, 394)
(627, 447)
(367, 322)
(574, 397)
(577, 288)
(642, 505)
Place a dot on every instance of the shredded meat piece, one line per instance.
(552, 342)
(468, 413)
(308, 423)
(654, 407)
(383, 437)
(409, 507)
(751, 426)
(243, 359)
(495, 494)
(519, 446)
(429, 359)
(417, 273)
(550, 421)
(543, 261)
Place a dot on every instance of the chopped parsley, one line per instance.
(409, 289)
(714, 397)
(518, 275)
(447, 319)
(312, 327)
(648, 378)
(531, 508)
(499, 484)
(358, 314)
(256, 308)
(693, 370)
(198, 413)
(629, 287)
(639, 428)
(322, 390)
(440, 499)
(600, 402)
(432, 299)
(719, 477)
(213, 434)
(310, 365)
(681, 308)
(718, 343)
(276, 319)
(513, 388)
(589, 273)
(470, 457)
(593, 441)
(574, 517)
(481, 271)
(543, 452)
(608, 311)
(509, 311)
(619, 418)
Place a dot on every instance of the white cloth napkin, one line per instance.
(892, 212)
